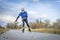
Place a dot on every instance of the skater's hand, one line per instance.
(15, 20)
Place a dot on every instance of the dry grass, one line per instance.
(2, 30)
(47, 30)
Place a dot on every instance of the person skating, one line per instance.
(24, 17)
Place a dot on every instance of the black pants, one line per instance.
(25, 21)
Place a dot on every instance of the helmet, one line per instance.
(22, 9)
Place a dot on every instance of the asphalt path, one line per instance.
(18, 35)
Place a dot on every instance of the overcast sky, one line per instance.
(37, 9)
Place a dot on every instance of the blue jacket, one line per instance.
(23, 15)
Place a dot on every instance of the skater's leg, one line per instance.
(28, 25)
(23, 25)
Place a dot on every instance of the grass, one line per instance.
(47, 30)
(2, 30)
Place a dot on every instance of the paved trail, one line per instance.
(18, 35)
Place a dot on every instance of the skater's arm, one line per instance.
(26, 14)
(17, 17)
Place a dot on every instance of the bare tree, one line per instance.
(47, 23)
(11, 25)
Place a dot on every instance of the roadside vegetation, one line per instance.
(46, 26)
(39, 26)
(3, 30)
